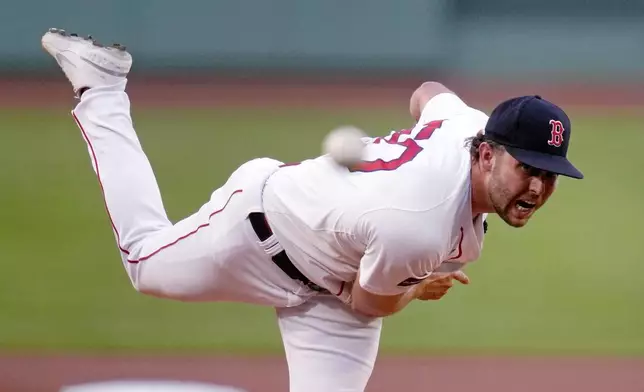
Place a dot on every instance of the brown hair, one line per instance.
(474, 142)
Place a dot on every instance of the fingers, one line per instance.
(436, 288)
(461, 277)
(446, 279)
(432, 296)
(438, 278)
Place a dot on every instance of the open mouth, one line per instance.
(525, 206)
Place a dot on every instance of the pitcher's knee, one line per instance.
(146, 289)
(146, 285)
(169, 288)
(154, 289)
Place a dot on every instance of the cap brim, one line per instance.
(552, 163)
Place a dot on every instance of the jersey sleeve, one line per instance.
(397, 255)
(448, 106)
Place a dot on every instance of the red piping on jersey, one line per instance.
(100, 183)
(118, 238)
(143, 258)
(460, 246)
(341, 289)
(290, 164)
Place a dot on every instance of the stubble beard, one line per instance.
(501, 202)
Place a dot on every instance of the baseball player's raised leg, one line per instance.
(328, 347)
(210, 255)
(150, 245)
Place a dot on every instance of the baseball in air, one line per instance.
(344, 145)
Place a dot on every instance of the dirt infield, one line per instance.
(451, 374)
(336, 92)
(36, 373)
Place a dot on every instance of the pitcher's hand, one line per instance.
(437, 285)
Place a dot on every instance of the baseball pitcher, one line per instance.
(333, 248)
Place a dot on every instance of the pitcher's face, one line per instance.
(517, 190)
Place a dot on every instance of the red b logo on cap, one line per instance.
(556, 133)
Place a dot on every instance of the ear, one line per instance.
(487, 157)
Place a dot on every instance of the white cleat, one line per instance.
(85, 62)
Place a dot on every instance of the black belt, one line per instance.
(264, 232)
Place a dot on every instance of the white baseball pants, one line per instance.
(214, 254)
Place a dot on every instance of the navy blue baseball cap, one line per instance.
(535, 132)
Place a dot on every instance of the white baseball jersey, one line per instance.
(400, 216)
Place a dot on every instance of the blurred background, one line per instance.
(216, 83)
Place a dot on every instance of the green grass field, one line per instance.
(570, 282)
